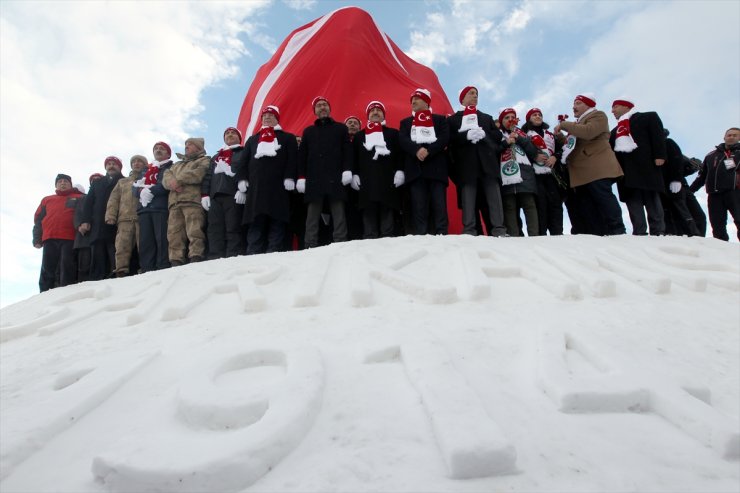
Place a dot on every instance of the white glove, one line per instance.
(205, 202)
(356, 182)
(346, 177)
(399, 178)
(476, 134)
(675, 186)
(300, 185)
(240, 197)
(289, 184)
(242, 186)
(145, 197)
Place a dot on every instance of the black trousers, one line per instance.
(719, 204)
(679, 220)
(638, 203)
(599, 194)
(153, 245)
(697, 213)
(429, 197)
(103, 259)
(378, 221)
(266, 235)
(225, 227)
(83, 257)
(57, 255)
(549, 205)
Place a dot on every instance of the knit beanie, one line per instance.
(62, 176)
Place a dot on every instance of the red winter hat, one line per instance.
(588, 99)
(624, 102)
(235, 130)
(115, 160)
(271, 108)
(374, 104)
(317, 99)
(424, 94)
(505, 112)
(352, 117)
(465, 91)
(94, 177)
(166, 146)
(532, 112)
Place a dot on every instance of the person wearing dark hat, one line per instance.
(268, 175)
(549, 173)
(185, 234)
(678, 217)
(720, 172)
(102, 236)
(475, 147)
(353, 125)
(153, 211)
(518, 160)
(53, 230)
(324, 170)
(121, 212)
(219, 186)
(378, 173)
(638, 141)
(423, 137)
(592, 167)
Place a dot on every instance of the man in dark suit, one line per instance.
(102, 236)
(423, 138)
(324, 170)
(638, 141)
(474, 145)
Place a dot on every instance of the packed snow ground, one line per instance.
(435, 364)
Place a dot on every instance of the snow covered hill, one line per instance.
(409, 364)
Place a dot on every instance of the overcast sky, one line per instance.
(83, 80)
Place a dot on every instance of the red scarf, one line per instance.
(422, 129)
(150, 177)
(267, 144)
(623, 141)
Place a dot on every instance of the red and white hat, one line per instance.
(165, 145)
(115, 160)
(353, 117)
(624, 101)
(317, 99)
(423, 94)
(587, 98)
(235, 130)
(465, 91)
(504, 112)
(532, 112)
(375, 104)
(271, 108)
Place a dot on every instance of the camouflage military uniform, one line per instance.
(121, 208)
(185, 232)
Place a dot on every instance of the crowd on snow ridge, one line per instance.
(339, 181)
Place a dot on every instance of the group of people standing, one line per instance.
(350, 180)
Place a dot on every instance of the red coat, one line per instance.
(55, 215)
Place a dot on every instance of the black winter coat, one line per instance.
(93, 211)
(266, 193)
(674, 165)
(220, 183)
(325, 153)
(434, 167)
(715, 175)
(376, 176)
(640, 171)
(161, 195)
(529, 183)
(470, 162)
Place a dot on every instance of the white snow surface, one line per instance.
(413, 364)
